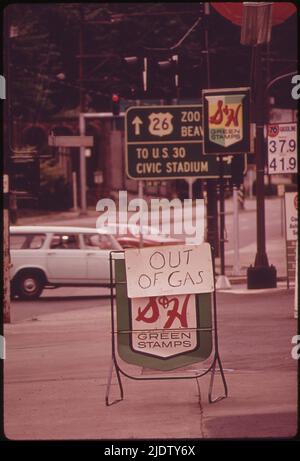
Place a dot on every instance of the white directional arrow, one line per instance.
(137, 122)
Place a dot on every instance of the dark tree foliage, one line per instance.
(44, 63)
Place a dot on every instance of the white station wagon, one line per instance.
(53, 256)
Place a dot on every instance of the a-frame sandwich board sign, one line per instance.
(174, 329)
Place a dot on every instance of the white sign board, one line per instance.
(168, 270)
(291, 215)
(164, 326)
(70, 141)
(282, 148)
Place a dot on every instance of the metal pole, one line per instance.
(190, 190)
(74, 184)
(190, 182)
(282, 215)
(6, 257)
(81, 51)
(212, 205)
(261, 258)
(261, 275)
(206, 16)
(81, 116)
(222, 219)
(140, 192)
(296, 285)
(251, 180)
(222, 282)
(236, 237)
(82, 167)
(6, 187)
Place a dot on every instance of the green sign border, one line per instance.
(244, 146)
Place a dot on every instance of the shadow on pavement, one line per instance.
(267, 425)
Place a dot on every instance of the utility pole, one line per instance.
(258, 33)
(83, 205)
(222, 281)
(81, 55)
(212, 205)
(6, 193)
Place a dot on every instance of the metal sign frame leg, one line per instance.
(211, 383)
(217, 358)
(107, 402)
(113, 358)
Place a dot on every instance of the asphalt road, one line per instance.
(65, 299)
(59, 300)
(247, 222)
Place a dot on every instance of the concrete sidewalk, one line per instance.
(57, 367)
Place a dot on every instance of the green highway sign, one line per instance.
(166, 142)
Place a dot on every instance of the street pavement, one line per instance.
(57, 368)
(58, 361)
(275, 243)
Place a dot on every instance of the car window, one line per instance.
(36, 241)
(27, 241)
(18, 241)
(99, 241)
(64, 242)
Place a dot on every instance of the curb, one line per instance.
(243, 279)
(51, 217)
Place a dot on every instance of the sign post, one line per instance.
(190, 182)
(296, 286)
(280, 193)
(236, 266)
(165, 313)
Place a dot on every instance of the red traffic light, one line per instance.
(115, 99)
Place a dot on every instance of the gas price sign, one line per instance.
(282, 148)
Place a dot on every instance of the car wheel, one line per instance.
(29, 285)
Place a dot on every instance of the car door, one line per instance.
(66, 262)
(98, 247)
(26, 251)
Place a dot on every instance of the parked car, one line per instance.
(128, 236)
(50, 256)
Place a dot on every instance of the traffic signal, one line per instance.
(115, 104)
